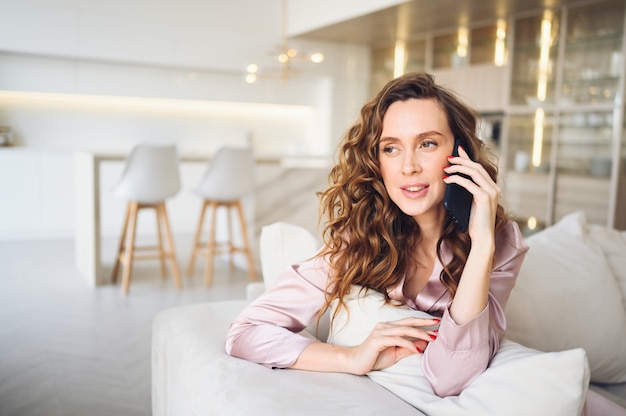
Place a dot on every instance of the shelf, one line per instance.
(582, 44)
(580, 79)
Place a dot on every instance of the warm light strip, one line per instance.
(399, 58)
(538, 137)
(500, 51)
(544, 55)
(462, 42)
(159, 104)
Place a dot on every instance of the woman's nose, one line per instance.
(411, 163)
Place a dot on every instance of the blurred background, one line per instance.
(287, 77)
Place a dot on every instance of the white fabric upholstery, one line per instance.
(229, 176)
(282, 245)
(150, 174)
(613, 245)
(567, 296)
(192, 375)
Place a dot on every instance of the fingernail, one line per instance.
(436, 320)
(445, 177)
(432, 336)
(451, 157)
(419, 350)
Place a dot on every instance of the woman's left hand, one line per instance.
(485, 191)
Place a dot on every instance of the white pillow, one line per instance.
(282, 245)
(566, 297)
(519, 381)
(613, 245)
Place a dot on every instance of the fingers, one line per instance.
(418, 322)
(420, 345)
(408, 329)
(463, 164)
(390, 341)
(481, 185)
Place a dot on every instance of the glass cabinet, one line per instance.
(535, 51)
(527, 184)
(446, 51)
(382, 67)
(593, 53)
(483, 44)
(564, 151)
(416, 56)
(584, 164)
(384, 60)
(620, 210)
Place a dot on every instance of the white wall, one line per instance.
(185, 33)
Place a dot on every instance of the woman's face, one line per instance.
(413, 150)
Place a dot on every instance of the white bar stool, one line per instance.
(150, 176)
(229, 177)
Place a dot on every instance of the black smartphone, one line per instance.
(458, 200)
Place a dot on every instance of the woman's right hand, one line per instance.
(389, 342)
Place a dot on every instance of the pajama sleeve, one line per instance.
(462, 352)
(267, 330)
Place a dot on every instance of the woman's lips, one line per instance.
(414, 191)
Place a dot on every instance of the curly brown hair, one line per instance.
(369, 239)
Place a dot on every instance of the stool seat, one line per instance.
(229, 177)
(150, 176)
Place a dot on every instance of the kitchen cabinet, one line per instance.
(563, 143)
(384, 59)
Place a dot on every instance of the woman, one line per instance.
(387, 230)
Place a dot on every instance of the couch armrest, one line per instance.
(192, 375)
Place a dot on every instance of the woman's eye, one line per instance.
(428, 144)
(389, 149)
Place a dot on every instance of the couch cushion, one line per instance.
(282, 245)
(566, 297)
(613, 245)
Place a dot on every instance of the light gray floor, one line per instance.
(69, 349)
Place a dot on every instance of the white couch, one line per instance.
(570, 295)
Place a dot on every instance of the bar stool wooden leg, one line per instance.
(120, 249)
(130, 246)
(161, 249)
(211, 246)
(246, 243)
(197, 243)
(170, 242)
(230, 243)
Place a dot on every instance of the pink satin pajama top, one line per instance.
(266, 331)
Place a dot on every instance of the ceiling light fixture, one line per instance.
(285, 56)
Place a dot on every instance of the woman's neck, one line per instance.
(430, 229)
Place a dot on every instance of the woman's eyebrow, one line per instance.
(387, 139)
(428, 134)
(419, 136)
